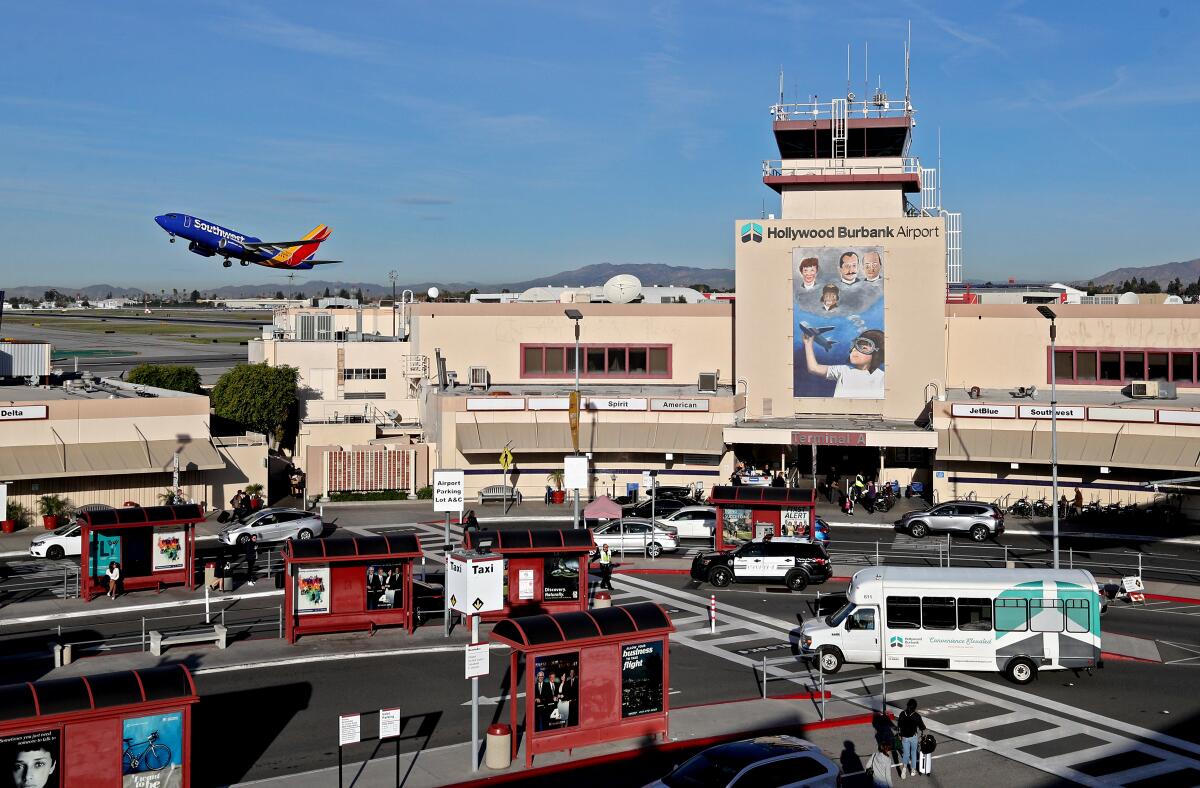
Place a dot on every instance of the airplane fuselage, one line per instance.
(209, 239)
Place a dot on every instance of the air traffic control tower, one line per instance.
(841, 296)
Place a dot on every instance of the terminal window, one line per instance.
(596, 361)
(1112, 367)
(367, 373)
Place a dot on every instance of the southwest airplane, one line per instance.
(207, 239)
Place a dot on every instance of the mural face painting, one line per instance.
(837, 309)
(32, 759)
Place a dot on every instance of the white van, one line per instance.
(1017, 621)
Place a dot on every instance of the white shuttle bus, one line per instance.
(1016, 621)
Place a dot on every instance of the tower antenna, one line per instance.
(866, 75)
(781, 84)
(848, 91)
(907, 56)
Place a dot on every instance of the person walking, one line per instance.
(250, 550)
(911, 727)
(606, 568)
(880, 766)
(114, 578)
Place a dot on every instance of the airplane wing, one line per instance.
(280, 244)
(323, 262)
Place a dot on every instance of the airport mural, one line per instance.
(837, 313)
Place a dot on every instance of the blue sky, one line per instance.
(496, 141)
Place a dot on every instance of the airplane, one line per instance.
(208, 239)
(815, 333)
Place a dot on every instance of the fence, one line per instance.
(62, 581)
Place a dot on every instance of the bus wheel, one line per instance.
(831, 660)
(1021, 671)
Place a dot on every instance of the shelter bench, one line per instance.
(499, 492)
(158, 640)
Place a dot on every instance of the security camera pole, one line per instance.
(1048, 313)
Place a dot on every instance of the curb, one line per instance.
(1109, 655)
(392, 652)
(1167, 598)
(671, 746)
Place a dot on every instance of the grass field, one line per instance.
(142, 328)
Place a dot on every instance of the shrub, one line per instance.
(425, 493)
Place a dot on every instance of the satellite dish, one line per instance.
(393, 415)
(536, 295)
(1173, 299)
(433, 293)
(622, 289)
(1129, 298)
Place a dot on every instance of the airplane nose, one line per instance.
(161, 221)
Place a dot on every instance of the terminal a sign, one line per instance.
(23, 412)
(829, 438)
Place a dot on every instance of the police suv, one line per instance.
(792, 562)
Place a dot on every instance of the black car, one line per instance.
(793, 562)
(429, 601)
(662, 507)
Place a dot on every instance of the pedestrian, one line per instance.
(470, 521)
(835, 491)
(869, 497)
(256, 501)
(250, 550)
(1077, 504)
(114, 578)
(235, 503)
(911, 727)
(606, 568)
(778, 481)
(860, 487)
(881, 766)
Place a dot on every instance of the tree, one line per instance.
(358, 294)
(279, 295)
(195, 296)
(52, 296)
(108, 296)
(258, 397)
(343, 293)
(174, 377)
(327, 292)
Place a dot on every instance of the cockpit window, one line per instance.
(837, 618)
(172, 216)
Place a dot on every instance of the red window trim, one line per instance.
(569, 350)
(1121, 351)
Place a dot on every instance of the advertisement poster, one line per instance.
(641, 678)
(385, 586)
(735, 526)
(153, 751)
(793, 522)
(837, 313)
(556, 691)
(312, 590)
(560, 578)
(104, 549)
(168, 550)
(32, 759)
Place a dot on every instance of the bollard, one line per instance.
(66, 654)
(602, 599)
(498, 754)
(712, 613)
(57, 649)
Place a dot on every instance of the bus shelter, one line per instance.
(545, 569)
(346, 585)
(748, 513)
(590, 677)
(132, 728)
(155, 546)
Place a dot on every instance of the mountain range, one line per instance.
(1187, 272)
(587, 276)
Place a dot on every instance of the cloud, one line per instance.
(524, 127)
(422, 199)
(266, 28)
(957, 32)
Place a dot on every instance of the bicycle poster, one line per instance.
(32, 758)
(152, 752)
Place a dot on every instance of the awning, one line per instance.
(1126, 450)
(603, 508)
(106, 459)
(474, 437)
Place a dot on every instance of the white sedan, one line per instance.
(692, 522)
(59, 543)
(635, 536)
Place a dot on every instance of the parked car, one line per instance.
(635, 535)
(821, 531)
(794, 562)
(428, 602)
(980, 521)
(776, 761)
(670, 491)
(274, 524)
(63, 541)
(692, 522)
(661, 506)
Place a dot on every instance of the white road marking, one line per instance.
(100, 610)
(311, 658)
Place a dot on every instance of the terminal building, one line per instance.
(848, 349)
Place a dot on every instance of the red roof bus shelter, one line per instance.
(545, 569)
(124, 728)
(345, 585)
(748, 513)
(590, 677)
(154, 545)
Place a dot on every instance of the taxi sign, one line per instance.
(506, 459)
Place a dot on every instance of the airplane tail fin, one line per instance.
(298, 254)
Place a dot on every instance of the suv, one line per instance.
(792, 562)
(752, 763)
(273, 525)
(661, 507)
(980, 520)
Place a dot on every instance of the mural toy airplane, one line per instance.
(816, 334)
(208, 239)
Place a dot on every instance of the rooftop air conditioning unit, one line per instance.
(451, 378)
(707, 383)
(479, 378)
(1144, 389)
(340, 336)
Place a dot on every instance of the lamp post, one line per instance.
(395, 331)
(577, 316)
(1048, 313)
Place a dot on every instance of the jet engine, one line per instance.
(203, 251)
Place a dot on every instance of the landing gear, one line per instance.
(245, 263)
(226, 263)
(172, 239)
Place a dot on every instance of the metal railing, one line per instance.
(61, 581)
(774, 168)
(880, 107)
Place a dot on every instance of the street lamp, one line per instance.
(577, 316)
(392, 275)
(1048, 313)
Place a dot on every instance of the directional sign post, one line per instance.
(448, 496)
(506, 461)
(474, 585)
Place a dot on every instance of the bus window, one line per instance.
(937, 612)
(1011, 615)
(1078, 615)
(1046, 615)
(863, 618)
(975, 614)
(904, 612)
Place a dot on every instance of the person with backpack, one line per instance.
(910, 726)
